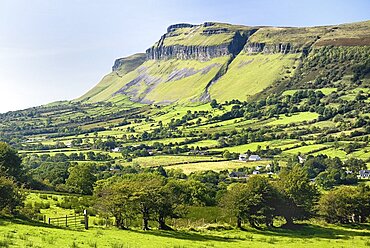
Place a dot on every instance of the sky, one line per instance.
(58, 49)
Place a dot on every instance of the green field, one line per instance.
(253, 146)
(325, 91)
(154, 161)
(216, 166)
(18, 233)
(305, 149)
(296, 118)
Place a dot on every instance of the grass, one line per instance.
(216, 166)
(253, 146)
(204, 143)
(325, 91)
(305, 149)
(165, 160)
(156, 81)
(250, 74)
(296, 36)
(332, 152)
(18, 233)
(295, 118)
(188, 88)
(194, 36)
(69, 152)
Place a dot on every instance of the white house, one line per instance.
(301, 160)
(364, 173)
(117, 149)
(254, 158)
(243, 157)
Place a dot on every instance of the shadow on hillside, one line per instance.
(186, 235)
(313, 231)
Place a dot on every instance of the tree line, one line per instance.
(158, 195)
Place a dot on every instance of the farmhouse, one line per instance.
(254, 158)
(117, 149)
(301, 160)
(259, 167)
(243, 157)
(237, 174)
(364, 173)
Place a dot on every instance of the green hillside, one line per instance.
(249, 74)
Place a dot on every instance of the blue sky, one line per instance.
(58, 49)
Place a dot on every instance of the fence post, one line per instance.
(86, 220)
(66, 221)
(44, 218)
(49, 221)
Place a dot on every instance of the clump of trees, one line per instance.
(148, 195)
(11, 174)
(346, 204)
(259, 201)
(330, 172)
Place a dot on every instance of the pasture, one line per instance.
(19, 233)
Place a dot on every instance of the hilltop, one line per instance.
(197, 63)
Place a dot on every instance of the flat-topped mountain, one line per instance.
(197, 63)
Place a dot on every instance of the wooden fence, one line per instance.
(72, 221)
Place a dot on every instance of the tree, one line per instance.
(262, 199)
(147, 191)
(214, 103)
(170, 202)
(254, 201)
(115, 199)
(355, 165)
(10, 162)
(345, 204)
(81, 178)
(51, 173)
(298, 195)
(234, 202)
(10, 195)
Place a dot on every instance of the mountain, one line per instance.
(197, 63)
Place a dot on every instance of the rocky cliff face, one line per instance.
(284, 48)
(200, 52)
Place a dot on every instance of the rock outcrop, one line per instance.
(284, 48)
(200, 52)
(129, 63)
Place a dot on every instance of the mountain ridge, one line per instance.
(203, 54)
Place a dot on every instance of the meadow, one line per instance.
(19, 233)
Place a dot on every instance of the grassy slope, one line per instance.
(251, 74)
(128, 64)
(184, 88)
